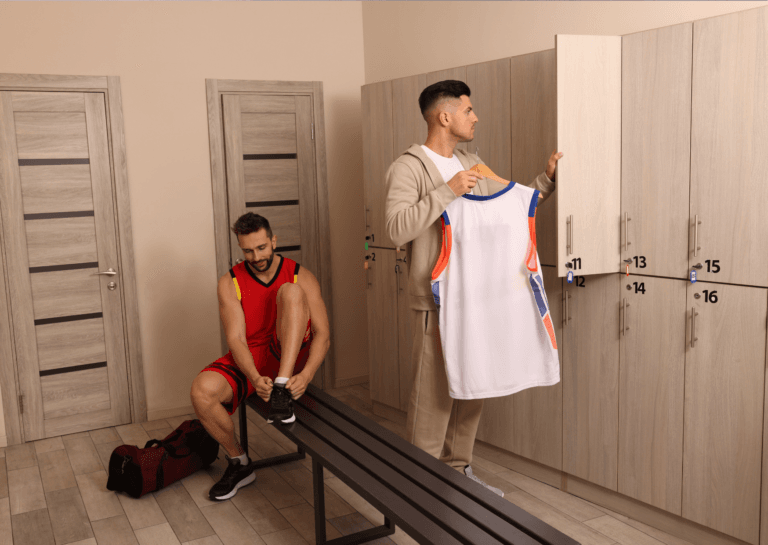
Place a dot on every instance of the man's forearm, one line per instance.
(244, 359)
(317, 351)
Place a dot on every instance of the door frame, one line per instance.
(214, 89)
(110, 86)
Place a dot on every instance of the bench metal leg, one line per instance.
(352, 539)
(258, 464)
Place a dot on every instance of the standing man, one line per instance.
(421, 183)
(277, 330)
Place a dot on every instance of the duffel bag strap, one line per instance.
(160, 476)
(170, 449)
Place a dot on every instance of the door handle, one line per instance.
(694, 338)
(696, 246)
(397, 272)
(366, 217)
(569, 235)
(627, 219)
(624, 329)
(108, 272)
(566, 296)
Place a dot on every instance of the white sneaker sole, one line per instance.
(291, 419)
(248, 480)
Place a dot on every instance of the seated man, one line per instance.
(276, 324)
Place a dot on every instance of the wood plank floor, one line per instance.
(53, 492)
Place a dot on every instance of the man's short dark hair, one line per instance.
(449, 88)
(250, 223)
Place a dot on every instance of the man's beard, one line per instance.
(268, 263)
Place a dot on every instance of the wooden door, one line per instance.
(404, 328)
(724, 387)
(530, 423)
(59, 232)
(383, 327)
(591, 378)
(459, 73)
(651, 390)
(589, 135)
(408, 124)
(534, 136)
(729, 148)
(376, 100)
(655, 150)
(489, 83)
(270, 170)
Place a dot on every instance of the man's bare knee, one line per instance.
(208, 388)
(291, 294)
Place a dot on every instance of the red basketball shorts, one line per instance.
(266, 358)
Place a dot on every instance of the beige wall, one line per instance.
(163, 51)
(407, 38)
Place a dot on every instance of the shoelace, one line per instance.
(282, 399)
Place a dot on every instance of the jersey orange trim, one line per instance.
(445, 247)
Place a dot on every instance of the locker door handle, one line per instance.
(569, 237)
(108, 272)
(624, 329)
(696, 246)
(397, 272)
(694, 338)
(627, 219)
(566, 296)
(366, 217)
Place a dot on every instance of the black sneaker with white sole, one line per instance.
(235, 476)
(280, 405)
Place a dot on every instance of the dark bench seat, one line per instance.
(431, 502)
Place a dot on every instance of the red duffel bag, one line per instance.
(138, 471)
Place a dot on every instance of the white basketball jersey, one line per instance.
(495, 326)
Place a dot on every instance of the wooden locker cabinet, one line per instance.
(534, 136)
(724, 389)
(489, 83)
(404, 328)
(651, 390)
(383, 326)
(530, 423)
(655, 150)
(589, 135)
(591, 378)
(408, 124)
(376, 99)
(729, 148)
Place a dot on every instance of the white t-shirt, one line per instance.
(448, 168)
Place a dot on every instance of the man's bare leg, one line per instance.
(292, 318)
(209, 391)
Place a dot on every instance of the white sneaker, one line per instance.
(468, 472)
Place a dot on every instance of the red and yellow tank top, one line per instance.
(259, 300)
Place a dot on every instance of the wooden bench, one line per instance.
(431, 502)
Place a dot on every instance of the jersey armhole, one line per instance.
(237, 286)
